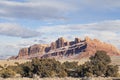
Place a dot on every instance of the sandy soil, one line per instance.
(67, 78)
(11, 62)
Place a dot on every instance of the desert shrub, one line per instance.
(99, 69)
(100, 61)
(100, 56)
(17, 69)
(62, 74)
(98, 66)
(70, 65)
(85, 70)
(43, 68)
(6, 73)
(26, 69)
(70, 68)
(112, 71)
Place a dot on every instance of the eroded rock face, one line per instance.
(77, 40)
(60, 42)
(36, 49)
(23, 52)
(53, 45)
(63, 48)
(94, 45)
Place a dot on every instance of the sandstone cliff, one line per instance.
(62, 48)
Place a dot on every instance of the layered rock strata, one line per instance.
(62, 48)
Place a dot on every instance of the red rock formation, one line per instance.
(95, 44)
(23, 52)
(53, 45)
(84, 48)
(36, 49)
(66, 43)
(77, 40)
(60, 42)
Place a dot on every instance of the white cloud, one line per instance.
(15, 30)
(109, 25)
(108, 31)
(38, 10)
(101, 4)
(55, 9)
(10, 48)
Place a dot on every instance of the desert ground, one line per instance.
(66, 78)
(11, 62)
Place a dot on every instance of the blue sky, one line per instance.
(27, 22)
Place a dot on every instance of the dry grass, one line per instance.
(115, 61)
(11, 62)
(80, 61)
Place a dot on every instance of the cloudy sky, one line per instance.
(28, 22)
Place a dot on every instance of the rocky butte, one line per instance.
(62, 48)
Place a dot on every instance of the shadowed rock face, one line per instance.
(63, 48)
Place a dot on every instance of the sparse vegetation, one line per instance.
(70, 65)
(43, 68)
(99, 65)
(6, 73)
(112, 71)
